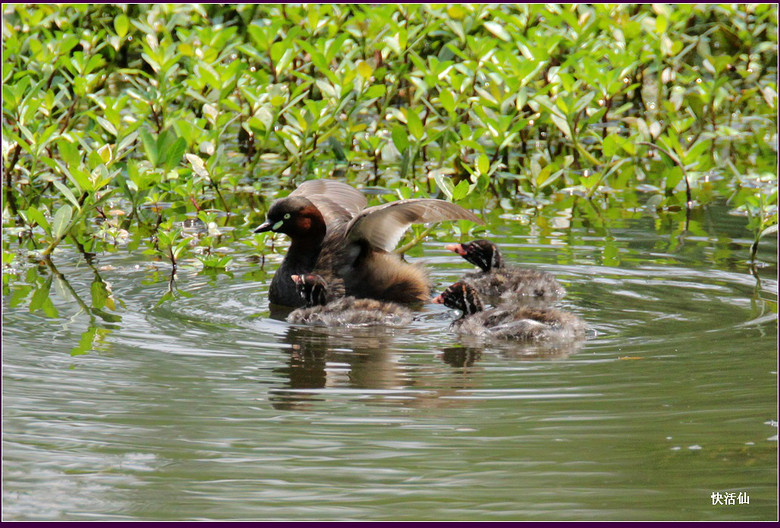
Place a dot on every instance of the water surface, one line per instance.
(205, 408)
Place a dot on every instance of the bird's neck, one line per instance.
(305, 251)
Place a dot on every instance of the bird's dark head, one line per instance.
(296, 217)
(482, 253)
(460, 296)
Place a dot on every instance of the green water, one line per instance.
(204, 408)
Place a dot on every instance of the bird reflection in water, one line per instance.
(324, 363)
(326, 358)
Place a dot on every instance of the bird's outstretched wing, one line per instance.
(383, 226)
(337, 201)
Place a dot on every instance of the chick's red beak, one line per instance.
(457, 248)
(297, 279)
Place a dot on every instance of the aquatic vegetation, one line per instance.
(169, 128)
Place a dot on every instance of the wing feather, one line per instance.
(337, 201)
(383, 226)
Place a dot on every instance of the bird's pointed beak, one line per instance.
(438, 300)
(297, 279)
(262, 228)
(457, 248)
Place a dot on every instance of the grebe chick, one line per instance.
(496, 281)
(345, 311)
(507, 321)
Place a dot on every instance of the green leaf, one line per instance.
(80, 178)
(376, 90)
(34, 215)
(498, 30)
(447, 100)
(175, 153)
(67, 193)
(461, 190)
(69, 152)
(673, 176)
(365, 70)
(99, 293)
(400, 138)
(444, 183)
(121, 25)
(610, 146)
(589, 179)
(40, 296)
(415, 124)
(483, 164)
(61, 221)
(150, 146)
(9, 98)
(661, 23)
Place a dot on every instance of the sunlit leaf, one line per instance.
(365, 70)
(444, 183)
(483, 164)
(105, 154)
(197, 165)
(498, 30)
(121, 25)
(562, 125)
